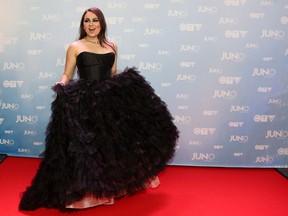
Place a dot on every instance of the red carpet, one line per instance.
(184, 191)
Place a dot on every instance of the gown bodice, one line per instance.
(94, 66)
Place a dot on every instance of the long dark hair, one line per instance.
(102, 34)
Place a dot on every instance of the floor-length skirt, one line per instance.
(105, 139)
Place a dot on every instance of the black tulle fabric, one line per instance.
(105, 137)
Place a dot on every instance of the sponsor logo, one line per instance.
(239, 109)
(127, 56)
(164, 52)
(26, 96)
(273, 34)
(204, 131)
(9, 106)
(238, 154)
(228, 21)
(235, 34)
(153, 32)
(150, 66)
(229, 80)
(210, 39)
(177, 13)
(235, 124)
(29, 133)
(190, 27)
(284, 20)
(279, 134)
(233, 56)
(266, 3)
(228, 94)
(37, 143)
(252, 46)
(282, 151)
(207, 157)
(26, 119)
(7, 142)
(23, 150)
(239, 138)
(187, 64)
(207, 9)
(261, 147)
(264, 118)
(264, 159)
(182, 119)
(182, 107)
(34, 52)
(209, 112)
(143, 45)
(51, 17)
(138, 19)
(12, 83)
(47, 75)
(194, 142)
(9, 40)
(16, 66)
(215, 70)
(264, 89)
(186, 77)
(74, 24)
(235, 2)
(114, 20)
(218, 147)
(256, 15)
(167, 84)
(129, 30)
(40, 107)
(182, 96)
(151, 6)
(38, 36)
(60, 62)
(275, 101)
(189, 48)
(264, 72)
(117, 5)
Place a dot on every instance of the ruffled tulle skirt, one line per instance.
(103, 139)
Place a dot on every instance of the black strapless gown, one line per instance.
(106, 136)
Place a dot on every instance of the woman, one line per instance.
(109, 135)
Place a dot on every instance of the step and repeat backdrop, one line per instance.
(221, 66)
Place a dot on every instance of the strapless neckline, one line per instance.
(93, 53)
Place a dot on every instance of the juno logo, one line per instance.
(17, 66)
(231, 56)
(265, 72)
(203, 157)
(264, 159)
(150, 66)
(26, 119)
(274, 34)
(229, 94)
(182, 119)
(280, 134)
(40, 36)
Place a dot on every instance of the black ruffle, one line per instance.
(103, 138)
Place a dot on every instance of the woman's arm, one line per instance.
(70, 64)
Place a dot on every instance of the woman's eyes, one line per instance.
(88, 20)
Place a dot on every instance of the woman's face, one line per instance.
(91, 24)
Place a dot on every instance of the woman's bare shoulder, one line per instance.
(75, 47)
